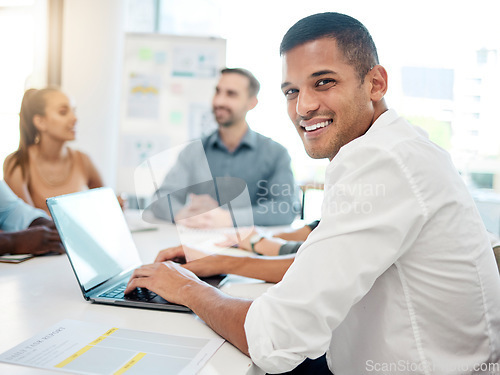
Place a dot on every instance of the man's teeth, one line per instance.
(318, 125)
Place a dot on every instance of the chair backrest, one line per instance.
(311, 187)
(496, 250)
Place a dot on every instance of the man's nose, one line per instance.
(219, 99)
(306, 103)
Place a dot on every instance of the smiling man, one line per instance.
(399, 276)
(334, 104)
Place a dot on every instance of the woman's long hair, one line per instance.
(33, 103)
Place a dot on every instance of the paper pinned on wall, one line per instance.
(176, 117)
(196, 62)
(160, 57)
(85, 348)
(145, 54)
(144, 96)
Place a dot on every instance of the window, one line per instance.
(23, 45)
(442, 73)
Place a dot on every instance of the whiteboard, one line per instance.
(167, 89)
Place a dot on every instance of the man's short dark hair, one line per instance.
(352, 38)
(253, 84)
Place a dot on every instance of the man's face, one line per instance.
(325, 97)
(231, 100)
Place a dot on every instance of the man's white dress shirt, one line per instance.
(398, 278)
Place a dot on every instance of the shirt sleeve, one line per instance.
(291, 247)
(313, 224)
(370, 216)
(15, 214)
(282, 204)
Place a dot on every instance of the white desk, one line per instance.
(40, 292)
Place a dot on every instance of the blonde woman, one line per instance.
(44, 165)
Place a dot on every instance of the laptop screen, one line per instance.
(95, 234)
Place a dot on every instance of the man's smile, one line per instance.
(309, 127)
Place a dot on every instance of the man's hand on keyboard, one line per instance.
(169, 280)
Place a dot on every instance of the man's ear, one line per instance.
(378, 79)
(39, 123)
(252, 102)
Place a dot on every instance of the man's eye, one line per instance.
(325, 82)
(290, 93)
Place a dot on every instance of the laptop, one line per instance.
(101, 250)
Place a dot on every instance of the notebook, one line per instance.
(101, 250)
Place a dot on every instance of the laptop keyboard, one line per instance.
(138, 294)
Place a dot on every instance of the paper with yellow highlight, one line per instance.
(87, 348)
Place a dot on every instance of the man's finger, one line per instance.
(173, 253)
(143, 271)
(142, 282)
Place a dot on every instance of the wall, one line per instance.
(92, 55)
(168, 82)
(23, 64)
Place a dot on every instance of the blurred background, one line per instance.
(442, 58)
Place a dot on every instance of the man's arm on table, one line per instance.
(270, 269)
(178, 284)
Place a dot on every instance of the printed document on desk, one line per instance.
(87, 348)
